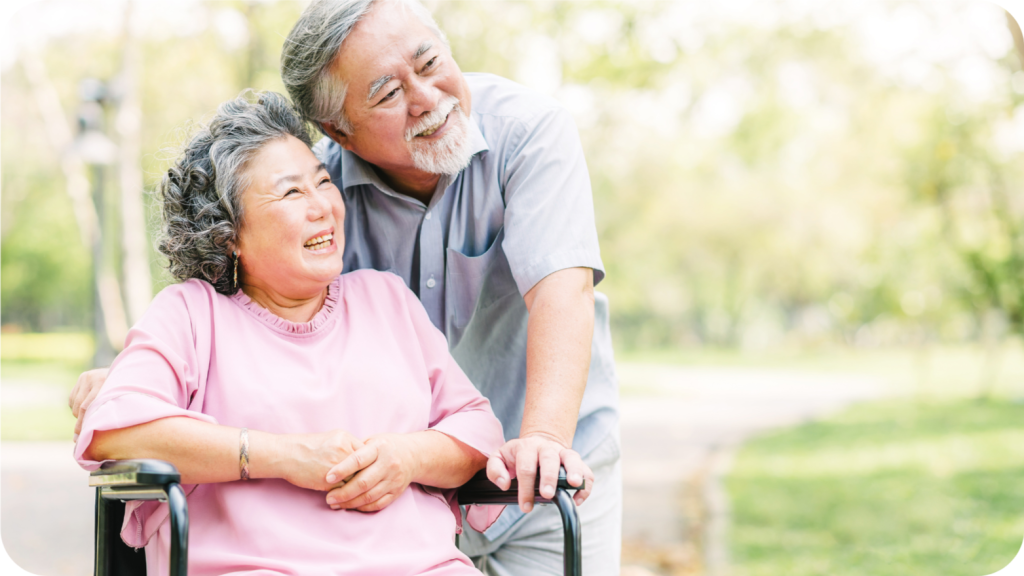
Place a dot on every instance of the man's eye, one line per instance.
(292, 191)
(324, 181)
(390, 95)
(430, 63)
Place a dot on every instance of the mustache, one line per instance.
(434, 117)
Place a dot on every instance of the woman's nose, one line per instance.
(319, 206)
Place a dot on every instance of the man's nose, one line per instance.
(423, 96)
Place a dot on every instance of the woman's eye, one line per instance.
(324, 181)
(292, 191)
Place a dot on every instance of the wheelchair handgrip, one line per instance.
(480, 490)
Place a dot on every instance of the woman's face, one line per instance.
(293, 231)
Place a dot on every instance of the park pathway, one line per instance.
(680, 427)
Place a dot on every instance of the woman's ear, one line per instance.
(337, 135)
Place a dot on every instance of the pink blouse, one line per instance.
(369, 362)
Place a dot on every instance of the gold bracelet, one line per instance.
(243, 454)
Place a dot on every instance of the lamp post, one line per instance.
(97, 151)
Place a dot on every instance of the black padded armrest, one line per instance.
(480, 490)
(141, 479)
(135, 473)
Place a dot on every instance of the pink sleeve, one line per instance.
(457, 407)
(160, 373)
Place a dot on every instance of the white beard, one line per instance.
(449, 154)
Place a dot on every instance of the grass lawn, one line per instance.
(45, 416)
(893, 488)
(934, 371)
(38, 372)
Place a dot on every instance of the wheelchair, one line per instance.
(117, 482)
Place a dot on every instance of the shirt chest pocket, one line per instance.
(474, 283)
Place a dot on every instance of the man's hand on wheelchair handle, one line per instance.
(85, 391)
(521, 457)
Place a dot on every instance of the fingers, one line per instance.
(581, 495)
(374, 503)
(365, 488)
(355, 462)
(364, 481)
(379, 504)
(78, 394)
(85, 390)
(498, 472)
(526, 458)
(549, 463)
(88, 401)
(576, 469)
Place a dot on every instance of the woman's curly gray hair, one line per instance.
(201, 193)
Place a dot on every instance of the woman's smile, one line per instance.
(321, 243)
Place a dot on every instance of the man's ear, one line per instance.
(337, 135)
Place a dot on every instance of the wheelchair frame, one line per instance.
(117, 482)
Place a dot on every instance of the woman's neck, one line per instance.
(291, 309)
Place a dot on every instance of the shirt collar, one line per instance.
(356, 171)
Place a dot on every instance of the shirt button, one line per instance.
(427, 216)
(431, 283)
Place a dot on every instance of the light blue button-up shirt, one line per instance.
(521, 210)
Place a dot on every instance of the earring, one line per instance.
(236, 270)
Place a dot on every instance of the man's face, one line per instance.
(407, 100)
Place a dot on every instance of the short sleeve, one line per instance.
(160, 372)
(549, 214)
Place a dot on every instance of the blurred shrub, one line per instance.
(63, 347)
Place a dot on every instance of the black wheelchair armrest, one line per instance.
(124, 480)
(480, 490)
(118, 475)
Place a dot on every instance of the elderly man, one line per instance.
(475, 191)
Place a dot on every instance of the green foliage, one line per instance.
(891, 488)
(44, 268)
(757, 184)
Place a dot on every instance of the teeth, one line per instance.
(433, 129)
(320, 242)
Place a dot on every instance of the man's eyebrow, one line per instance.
(426, 45)
(377, 85)
(287, 179)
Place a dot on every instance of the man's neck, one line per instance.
(419, 185)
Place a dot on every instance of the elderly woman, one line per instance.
(269, 379)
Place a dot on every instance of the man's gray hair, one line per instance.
(312, 47)
(201, 192)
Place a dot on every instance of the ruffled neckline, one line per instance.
(324, 315)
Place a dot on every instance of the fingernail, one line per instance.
(527, 507)
(549, 490)
(332, 501)
(332, 478)
(502, 479)
(335, 507)
(576, 478)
